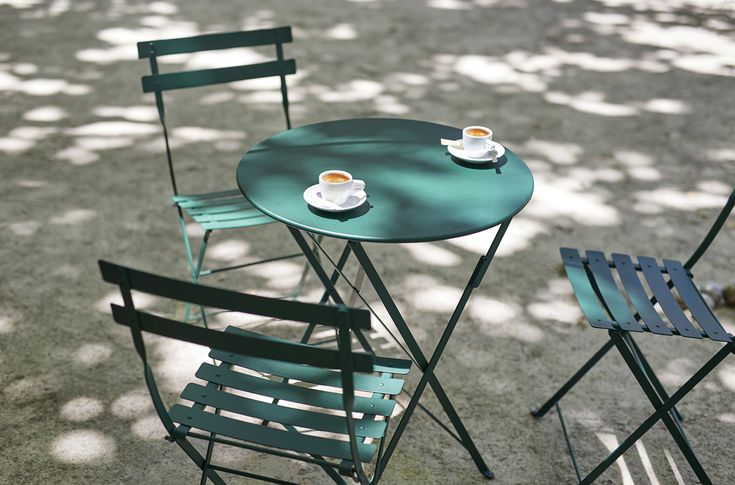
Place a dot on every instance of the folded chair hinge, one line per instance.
(347, 469)
(479, 271)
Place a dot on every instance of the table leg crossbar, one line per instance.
(414, 351)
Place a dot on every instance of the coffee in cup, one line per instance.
(337, 185)
(475, 140)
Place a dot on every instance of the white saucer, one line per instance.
(460, 153)
(313, 197)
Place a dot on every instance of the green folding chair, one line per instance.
(605, 304)
(322, 430)
(227, 209)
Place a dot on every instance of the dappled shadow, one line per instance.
(622, 109)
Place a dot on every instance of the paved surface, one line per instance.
(623, 110)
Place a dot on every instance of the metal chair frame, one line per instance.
(274, 356)
(605, 307)
(227, 209)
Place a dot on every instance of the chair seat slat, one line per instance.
(263, 435)
(236, 215)
(583, 290)
(219, 75)
(691, 297)
(313, 375)
(302, 418)
(632, 284)
(220, 209)
(289, 392)
(203, 204)
(207, 195)
(611, 293)
(663, 295)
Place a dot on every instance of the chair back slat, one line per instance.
(224, 40)
(228, 342)
(206, 77)
(234, 301)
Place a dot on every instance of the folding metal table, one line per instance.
(417, 192)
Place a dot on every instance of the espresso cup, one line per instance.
(475, 140)
(336, 186)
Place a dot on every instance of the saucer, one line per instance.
(313, 197)
(460, 153)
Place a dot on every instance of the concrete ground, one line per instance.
(623, 109)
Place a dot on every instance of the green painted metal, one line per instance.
(221, 40)
(594, 287)
(416, 191)
(305, 364)
(310, 374)
(207, 77)
(255, 433)
(636, 293)
(285, 415)
(222, 210)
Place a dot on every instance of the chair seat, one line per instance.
(628, 306)
(221, 210)
(315, 391)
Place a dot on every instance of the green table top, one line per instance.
(416, 190)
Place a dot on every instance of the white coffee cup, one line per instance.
(476, 140)
(337, 185)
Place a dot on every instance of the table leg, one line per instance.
(313, 260)
(427, 367)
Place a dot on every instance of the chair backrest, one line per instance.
(713, 231)
(342, 318)
(159, 82)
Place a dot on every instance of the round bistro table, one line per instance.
(417, 192)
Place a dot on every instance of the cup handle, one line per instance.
(358, 185)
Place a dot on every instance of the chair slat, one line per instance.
(693, 301)
(237, 223)
(208, 195)
(663, 295)
(206, 42)
(253, 344)
(302, 418)
(219, 209)
(312, 375)
(290, 392)
(583, 290)
(228, 216)
(202, 204)
(206, 77)
(391, 366)
(263, 435)
(611, 293)
(639, 297)
(231, 300)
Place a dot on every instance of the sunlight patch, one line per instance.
(342, 32)
(83, 446)
(25, 228)
(114, 128)
(77, 155)
(432, 254)
(81, 409)
(149, 428)
(46, 114)
(89, 355)
(131, 113)
(6, 324)
(131, 404)
(229, 250)
(73, 217)
(356, 90)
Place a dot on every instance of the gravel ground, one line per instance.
(623, 110)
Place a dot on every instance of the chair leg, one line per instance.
(542, 410)
(198, 459)
(652, 376)
(674, 428)
(196, 271)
